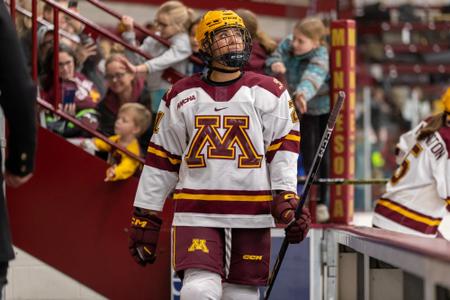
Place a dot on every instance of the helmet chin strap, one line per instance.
(217, 66)
(209, 60)
(224, 70)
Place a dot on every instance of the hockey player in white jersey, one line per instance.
(418, 193)
(224, 149)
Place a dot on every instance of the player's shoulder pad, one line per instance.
(445, 134)
(182, 85)
(269, 83)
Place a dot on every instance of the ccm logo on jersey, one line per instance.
(251, 257)
(185, 100)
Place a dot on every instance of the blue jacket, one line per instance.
(307, 73)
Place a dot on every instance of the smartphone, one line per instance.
(69, 96)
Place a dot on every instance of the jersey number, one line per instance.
(158, 120)
(222, 147)
(404, 167)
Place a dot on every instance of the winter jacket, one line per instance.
(307, 73)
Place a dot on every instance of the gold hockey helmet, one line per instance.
(215, 21)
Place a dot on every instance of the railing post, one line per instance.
(12, 10)
(317, 252)
(330, 266)
(34, 44)
(56, 85)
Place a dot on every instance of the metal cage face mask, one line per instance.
(229, 46)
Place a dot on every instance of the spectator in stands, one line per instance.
(23, 27)
(87, 55)
(17, 100)
(172, 21)
(418, 193)
(194, 67)
(133, 119)
(262, 44)
(47, 16)
(47, 13)
(79, 97)
(123, 87)
(303, 58)
(86, 95)
(45, 43)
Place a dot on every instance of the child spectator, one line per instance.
(194, 67)
(172, 21)
(303, 58)
(123, 87)
(262, 44)
(132, 120)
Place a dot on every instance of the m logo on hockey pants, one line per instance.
(198, 244)
(222, 147)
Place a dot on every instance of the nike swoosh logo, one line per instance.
(219, 109)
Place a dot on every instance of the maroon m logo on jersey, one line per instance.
(222, 147)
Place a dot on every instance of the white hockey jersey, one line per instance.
(406, 142)
(220, 150)
(418, 193)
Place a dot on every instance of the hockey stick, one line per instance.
(346, 181)
(309, 180)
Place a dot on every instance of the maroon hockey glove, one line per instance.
(283, 206)
(297, 231)
(144, 233)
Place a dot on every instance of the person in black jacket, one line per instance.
(18, 100)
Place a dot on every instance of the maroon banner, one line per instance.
(342, 148)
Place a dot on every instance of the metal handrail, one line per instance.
(170, 74)
(56, 33)
(40, 20)
(79, 124)
(12, 11)
(142, 29)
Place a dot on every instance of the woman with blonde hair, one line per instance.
(172, 21)
(122, 87)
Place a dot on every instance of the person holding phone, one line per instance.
(86, 94)
(79, 96)
(69, 96)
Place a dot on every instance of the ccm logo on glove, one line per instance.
(143, 239)
(284, 205)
